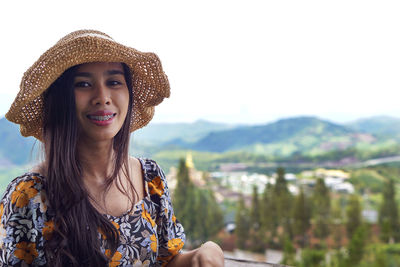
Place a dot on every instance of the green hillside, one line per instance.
(293, 140)
(188, 132)
(306, 135)
(380, 125)
(14, 149)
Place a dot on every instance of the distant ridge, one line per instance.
(14, 149)
(299, 131)
(187, 132)
(309, 136)
(379, 125)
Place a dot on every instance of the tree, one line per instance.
(256, 233)
(312, 258)
(301, 217)
(207, 214)
(196, 208)
(184, 188)
(356, 246)
(388, 214)
(269, 216)
(321, 209)
(289, 253)
(255, 211)
(353, 213)
(242, 224)
(185, 199)
(283, 202)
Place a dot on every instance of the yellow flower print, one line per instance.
(153, 244)
(156, 186)
(23, 193)
(40, 199)
(116, 225)
(174, 245)
(1, 210)
(173, 218)
(115, 259)
(147, 216)
(48, 230)
(26, 251)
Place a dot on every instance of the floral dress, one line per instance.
(150, 235)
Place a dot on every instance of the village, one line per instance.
(232, 182)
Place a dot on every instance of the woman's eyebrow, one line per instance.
(108, 72)
(83, 74)
(113, 72)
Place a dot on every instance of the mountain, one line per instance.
(300, 136)
(284, 137)
(14, 149)
(379, 125)
(187, 132)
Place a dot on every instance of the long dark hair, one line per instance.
(75, 240)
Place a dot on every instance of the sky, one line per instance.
(249, 61)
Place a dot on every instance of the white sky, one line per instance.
(232, 61)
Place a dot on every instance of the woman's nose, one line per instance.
(101, 95)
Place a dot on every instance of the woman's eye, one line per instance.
(114, 83)
(82, 84)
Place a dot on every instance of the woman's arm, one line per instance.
(208, 255)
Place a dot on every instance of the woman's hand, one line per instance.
(208, 255)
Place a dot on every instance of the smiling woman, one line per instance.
(89, 203)
(101, 99)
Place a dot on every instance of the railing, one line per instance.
(233, 262)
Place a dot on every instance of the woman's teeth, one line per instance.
(101, 118)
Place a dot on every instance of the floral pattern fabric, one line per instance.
(150, 234)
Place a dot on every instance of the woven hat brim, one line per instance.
(150, 83)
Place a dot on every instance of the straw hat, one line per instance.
(150, 84)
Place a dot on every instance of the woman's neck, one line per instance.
(96, 160)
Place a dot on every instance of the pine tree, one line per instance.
(208, 216)
(184, 188)
(289, 253)
(283, 202)
(321, 209)
(301, 217)
(280, 184)
(353, 212)
(388, 214)
(242, 224)
(337, 215)
(356, 246)
(185, 199)
(256, 231)
(255, 217)
(269, 213)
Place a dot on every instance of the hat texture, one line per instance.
(150, 84)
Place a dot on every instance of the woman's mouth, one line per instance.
(102, 120)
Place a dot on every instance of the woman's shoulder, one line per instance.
(33, 180)
(21, 195)
(156, 180)
(151, 170)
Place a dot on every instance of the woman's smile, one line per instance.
(102, 117)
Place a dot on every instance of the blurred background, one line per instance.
(281, 138)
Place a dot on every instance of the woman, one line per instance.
(89, 203)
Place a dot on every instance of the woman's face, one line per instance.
(102, 99)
